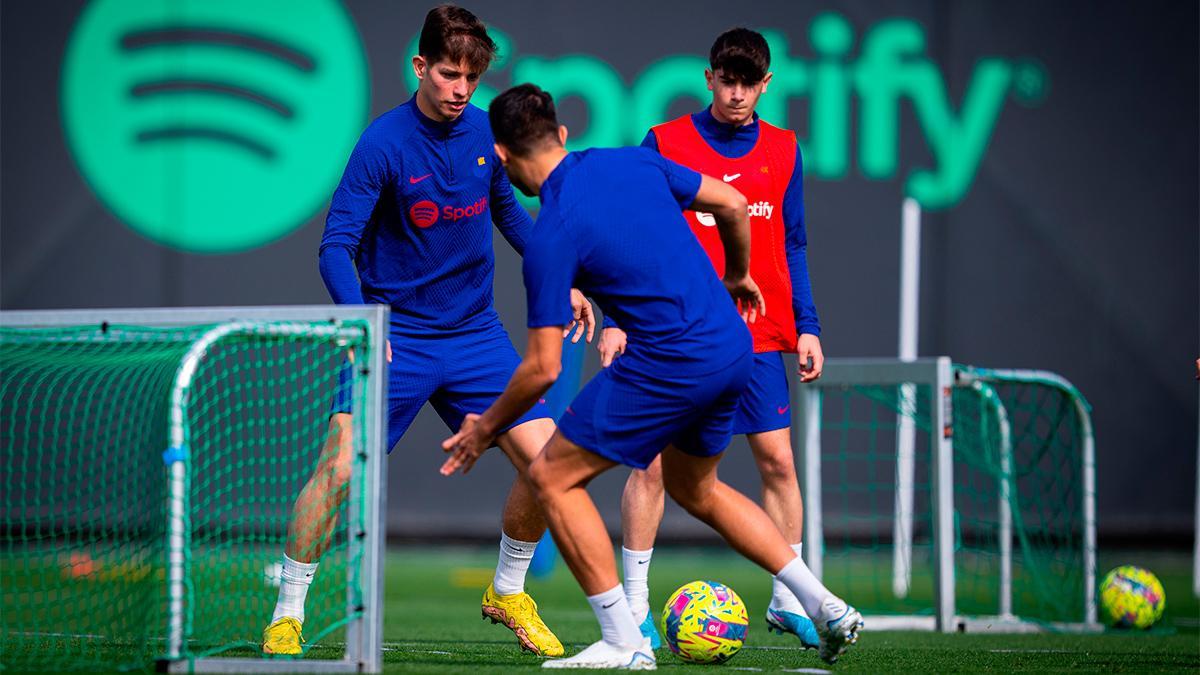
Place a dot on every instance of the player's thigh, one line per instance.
(628, 417)
(476, 369)
(765, 403)
(688, 478)
(524, 441)
(563, 465)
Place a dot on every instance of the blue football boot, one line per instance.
(650, 631)
(779, 621)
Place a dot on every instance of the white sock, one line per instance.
(515, 557)
(801, 582)
(294, 581)
(781, 598)
(636, 566)
(617, 626)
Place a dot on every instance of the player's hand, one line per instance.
(747, 297)
(612, 345)
(466, 446)
(812, 359)
(389, 352)
(584, 319)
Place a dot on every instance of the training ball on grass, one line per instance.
(1131, 597)
(705, 622)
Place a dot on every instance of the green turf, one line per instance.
(431, 623)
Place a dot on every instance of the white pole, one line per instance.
(910, 279)
(943, 497)
(814, 535)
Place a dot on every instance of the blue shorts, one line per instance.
(765, 404)
(458, 375)
(629, 413)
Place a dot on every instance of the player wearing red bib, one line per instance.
(763, 162)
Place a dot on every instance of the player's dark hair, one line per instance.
(741, 54)
(523, 119)
(454, 34)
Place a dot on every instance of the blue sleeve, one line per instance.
(354, 200)
(510, 217)
(796, 248)
(337, 271)
(684, 182)
(549, 269)
(650, 141)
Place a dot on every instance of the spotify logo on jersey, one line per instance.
(213, 126)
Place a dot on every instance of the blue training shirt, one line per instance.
(735, 141)
(413, 215)
(611, 225)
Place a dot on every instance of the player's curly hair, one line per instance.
(523, 119)
(741, 54)
(454, 34)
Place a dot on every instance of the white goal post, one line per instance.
(199, 332)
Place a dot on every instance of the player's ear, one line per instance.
(419, 65)
(501, 153)
(765, 81)
(562, 135)
(708, 78)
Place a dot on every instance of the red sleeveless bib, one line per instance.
(762, 175)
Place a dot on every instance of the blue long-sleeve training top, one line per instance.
(413, 216)
(735, 141)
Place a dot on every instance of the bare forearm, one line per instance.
(734, 228)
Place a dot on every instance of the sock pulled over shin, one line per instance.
(636, 567)
(294, 581)
(617, 626)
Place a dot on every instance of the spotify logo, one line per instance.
(213, 126)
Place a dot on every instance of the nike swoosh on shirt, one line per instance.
(413, 180)
(730, 177)
(782, 409)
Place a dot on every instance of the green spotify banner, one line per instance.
(183, 152)
(213, 125)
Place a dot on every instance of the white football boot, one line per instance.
(837, 627)
(603, 655)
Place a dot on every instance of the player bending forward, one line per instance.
(412, 215)
(610, 222)
(727, 139)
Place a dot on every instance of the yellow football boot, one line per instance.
(519, 612)
(283, 637)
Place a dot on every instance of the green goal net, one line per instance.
(950, 497)
(149, 474)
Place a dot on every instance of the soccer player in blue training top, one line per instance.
(413, 216)
(763, 162)
(610, 223)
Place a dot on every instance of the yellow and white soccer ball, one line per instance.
(1131, 597)
(705, 622)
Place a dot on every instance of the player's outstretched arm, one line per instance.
(729, 208)
(533, 378)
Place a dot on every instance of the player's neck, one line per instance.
(544, 163)
(716, 115)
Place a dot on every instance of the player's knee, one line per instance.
(648, 481)
(691, 496)
(777, 469)
(539, 478)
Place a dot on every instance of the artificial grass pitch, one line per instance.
(432, 623)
